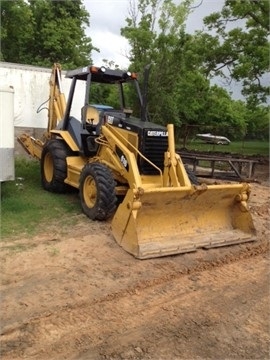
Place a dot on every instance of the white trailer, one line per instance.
(31, 92)
(7, 166)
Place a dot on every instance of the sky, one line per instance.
(108, 16)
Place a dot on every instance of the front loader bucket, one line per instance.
(171, 220)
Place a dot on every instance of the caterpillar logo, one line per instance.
(157, 133)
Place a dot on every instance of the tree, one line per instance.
(155, 32)
(258, 123)
(183, 65)
(17, 31)
(41, 32)
(242, 52)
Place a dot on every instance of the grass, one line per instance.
(235, 147)
(26, 208)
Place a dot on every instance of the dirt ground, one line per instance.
(73, 293)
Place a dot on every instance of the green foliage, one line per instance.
(161, 49)
(258, 123)
(25, 206)
(41, 32)
(100, 94)
(17, 30)
(243, 49)
(180, 87)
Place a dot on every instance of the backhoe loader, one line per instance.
(126, 168)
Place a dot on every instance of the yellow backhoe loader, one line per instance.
(108, 154)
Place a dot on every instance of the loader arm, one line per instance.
(57, 106)
(121, 156)
(174, 171)
(173, 175)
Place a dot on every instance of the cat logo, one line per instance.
(157, 133)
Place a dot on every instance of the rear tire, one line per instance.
(54, 166)
(97, 191)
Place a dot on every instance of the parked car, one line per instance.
(214, 139)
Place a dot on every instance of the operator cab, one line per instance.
(93, 116)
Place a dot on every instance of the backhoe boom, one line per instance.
(57, 106)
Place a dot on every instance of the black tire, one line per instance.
(54, 166)
(192, 177)
(97, 191)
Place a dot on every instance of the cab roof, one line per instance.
(101, 74)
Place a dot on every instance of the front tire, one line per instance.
(97, 191)
(54, 166)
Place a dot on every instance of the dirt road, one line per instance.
(73, 293)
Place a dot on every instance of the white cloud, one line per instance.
(107, 17)
(112, 47)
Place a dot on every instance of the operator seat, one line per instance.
(90, 115)
(91, 120)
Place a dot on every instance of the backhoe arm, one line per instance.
(57, 106)
(57, 100)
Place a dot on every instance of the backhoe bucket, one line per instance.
(170, 220)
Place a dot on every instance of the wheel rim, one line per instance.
(48, 167)
(89, 192)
